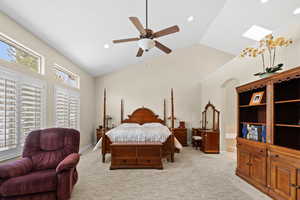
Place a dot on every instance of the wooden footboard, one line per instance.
(168, 148)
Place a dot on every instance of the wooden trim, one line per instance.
(165, 112)
(276, 78)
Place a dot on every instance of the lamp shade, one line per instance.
(146, 44)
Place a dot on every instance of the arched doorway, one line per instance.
(229, 115)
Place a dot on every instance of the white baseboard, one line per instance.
(85, 148)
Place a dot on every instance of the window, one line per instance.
(67, 108)
(22, 110)
(8, 114)
(66, 76)
(31, 109)
(11, 51)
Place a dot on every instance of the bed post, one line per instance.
(165, 113)
(122, 111)
(104, 128)
(172, 126)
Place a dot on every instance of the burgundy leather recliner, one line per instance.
(47, 169)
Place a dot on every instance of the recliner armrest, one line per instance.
(68, 163)
(15, 168)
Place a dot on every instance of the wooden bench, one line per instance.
(136, 156)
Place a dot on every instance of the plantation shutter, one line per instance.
(74, 107)
(67, 108)
(31, 109)
(8, 114)
(62, 109)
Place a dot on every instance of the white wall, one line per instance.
(87, 82)
(241, 70)
(148, 83)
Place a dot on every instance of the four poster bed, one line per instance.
(142, 125)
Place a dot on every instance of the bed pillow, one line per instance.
(152, 125)
(130, 125)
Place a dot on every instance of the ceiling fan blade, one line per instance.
(126, 40)
(140, 52)
(162, 47)
(167, 31)
(136, 22)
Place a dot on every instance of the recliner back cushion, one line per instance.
(51, 141)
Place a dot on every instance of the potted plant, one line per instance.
(269, 46)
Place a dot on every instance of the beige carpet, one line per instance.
(193, 176)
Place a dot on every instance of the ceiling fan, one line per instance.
(146, 39)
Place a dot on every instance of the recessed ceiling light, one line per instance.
(297, 11)
(190, 18)
(106, 46)
(256, 33)
(264, 1)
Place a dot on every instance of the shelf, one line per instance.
(254, 123)
(288, 101)
(247, 106)
(288, 125)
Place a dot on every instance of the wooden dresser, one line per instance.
(210, 140)
(181, 135)
(136, 156)
(270, 159)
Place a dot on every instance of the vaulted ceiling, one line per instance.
(80, 29)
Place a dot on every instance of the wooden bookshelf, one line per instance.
(288, 101)
(254, 123)
(260, 164)
(288, 125)
(247, 106)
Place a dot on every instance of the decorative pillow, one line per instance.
(152, 125)
(130, 125)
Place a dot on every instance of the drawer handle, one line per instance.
(149, 161)
(275, 156)
(124, 161)
(261, 151)
(249, 164)
(293, 185)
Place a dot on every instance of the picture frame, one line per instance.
(256, 98)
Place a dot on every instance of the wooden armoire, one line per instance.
(271, 163)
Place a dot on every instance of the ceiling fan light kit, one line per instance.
(146, 39)
(146, 44)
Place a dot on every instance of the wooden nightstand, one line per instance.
(181, 135)
(100, 131)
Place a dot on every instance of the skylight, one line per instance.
(297, 11)
(264, 1)
(256, 33)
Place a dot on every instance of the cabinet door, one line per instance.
(258, 169)
(243, 162)
(298, 184)
(283, 179)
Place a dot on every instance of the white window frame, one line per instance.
(57, 66)
(22, 79)
(70, 92)
(14, 43)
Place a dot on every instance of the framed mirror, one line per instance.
(210, 118)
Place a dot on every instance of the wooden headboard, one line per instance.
(142, 116)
